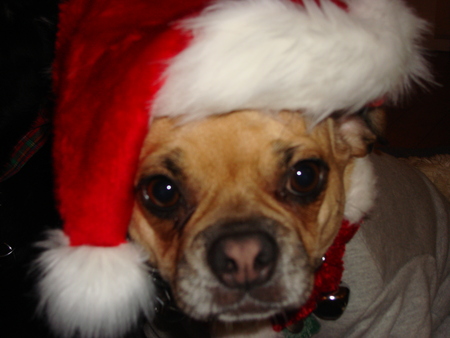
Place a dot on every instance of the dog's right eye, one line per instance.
(160, 194)
(307, 178)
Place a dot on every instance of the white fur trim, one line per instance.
(276, 55)
(362, 192)
(96, 291)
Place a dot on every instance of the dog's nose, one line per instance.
(243, 260)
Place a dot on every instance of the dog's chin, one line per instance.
(251, 310)
(246, 311)
(228, 305)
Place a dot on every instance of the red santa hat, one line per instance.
(120, 63)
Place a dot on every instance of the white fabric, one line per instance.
(398, 264)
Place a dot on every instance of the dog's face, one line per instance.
(237, 210)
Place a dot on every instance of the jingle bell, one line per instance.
(331, 306)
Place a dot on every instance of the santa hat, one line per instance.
(120, 63)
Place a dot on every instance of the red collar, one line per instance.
(328, 275)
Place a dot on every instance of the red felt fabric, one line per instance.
(110, 54)
(328, 276)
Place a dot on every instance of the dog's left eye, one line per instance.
(160, 193)
(307, 178)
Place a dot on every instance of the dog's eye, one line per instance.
(160, 192)
(306, 178)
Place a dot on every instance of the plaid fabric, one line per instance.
(28, 145)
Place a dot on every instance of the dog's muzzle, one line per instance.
(244, 268)
(243, 260)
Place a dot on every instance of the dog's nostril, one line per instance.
(243, 260)
(230, 266)
(263, 259)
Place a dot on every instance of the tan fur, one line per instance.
(230, 167)
(436, 168)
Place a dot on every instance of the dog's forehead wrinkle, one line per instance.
(167, 160)
(285, 151)
(173, 162)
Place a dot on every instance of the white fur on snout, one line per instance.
(197, 288)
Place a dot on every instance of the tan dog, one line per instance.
(227, 219)
(235, 208)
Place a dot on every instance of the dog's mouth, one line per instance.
(241, 306)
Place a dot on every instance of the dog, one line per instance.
(238, 234)
(226, 147)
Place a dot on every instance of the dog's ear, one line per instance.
(362, 129)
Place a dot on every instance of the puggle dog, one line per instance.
(226, 145)
(238, 210)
